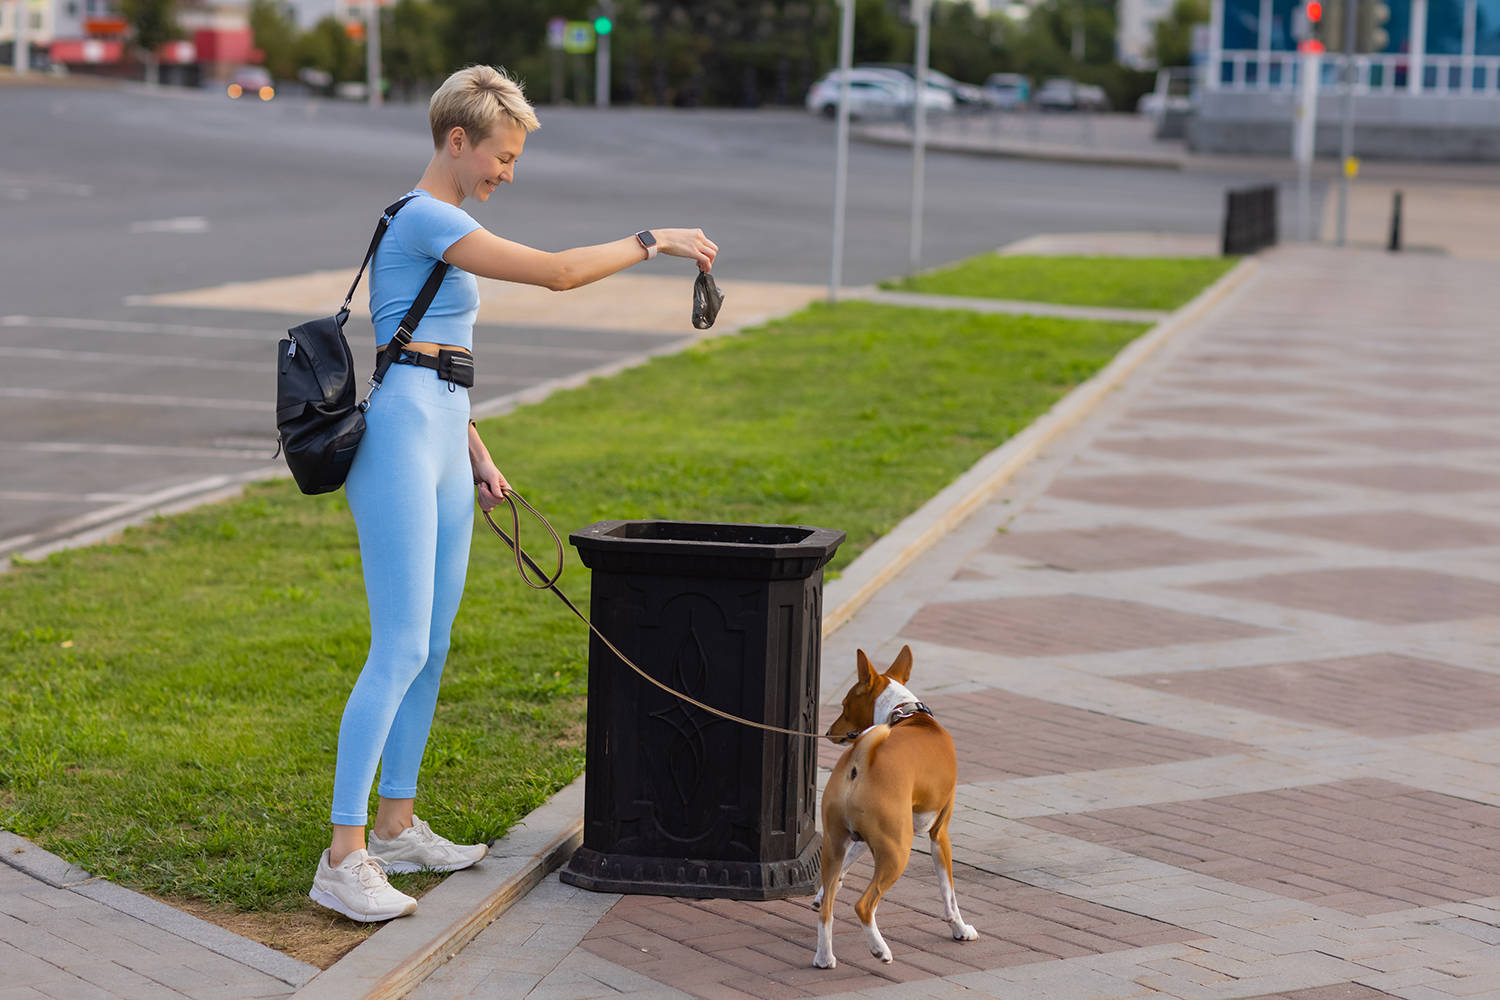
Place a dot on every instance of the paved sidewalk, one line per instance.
(1221, 671)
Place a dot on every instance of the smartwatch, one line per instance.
(647, 242)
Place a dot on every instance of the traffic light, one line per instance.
(603, 25)
(1307, 22)
(1369, 26)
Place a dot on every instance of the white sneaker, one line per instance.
(358, 889)
(417, 849)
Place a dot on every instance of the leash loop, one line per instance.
(542, 581)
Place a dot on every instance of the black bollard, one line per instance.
(1395, 244)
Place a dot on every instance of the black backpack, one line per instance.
(319, 424)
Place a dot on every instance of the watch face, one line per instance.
(647, 240)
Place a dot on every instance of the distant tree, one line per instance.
(413, 49)
(327, 46)
(964, 45)
(275, 34)
(1173, 35)
(153, 23)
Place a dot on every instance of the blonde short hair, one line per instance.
(473, 99)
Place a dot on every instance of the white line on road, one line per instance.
(32, 496)
(61, 396)
(159, 361)
(181, 224)
(125, 326)
(166, 450)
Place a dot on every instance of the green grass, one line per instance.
(1120, 282)
(171, 700)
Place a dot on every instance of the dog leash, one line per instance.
(543, 581)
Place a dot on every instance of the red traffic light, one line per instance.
(1314, 11)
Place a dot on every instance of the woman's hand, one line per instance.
(689, 243)
(492, 485)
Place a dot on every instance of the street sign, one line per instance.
(578, 37)
(557, 29)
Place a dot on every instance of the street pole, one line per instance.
(22, 55)
(922, 10)
(372, 51)
(601, 59)
(841, 170)
(1346, 144)
(1304, 137)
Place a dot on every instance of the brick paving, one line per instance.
(1221, 673)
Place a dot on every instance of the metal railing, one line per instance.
(1379, 73)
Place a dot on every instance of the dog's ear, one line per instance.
(900, 671)
(866, 672)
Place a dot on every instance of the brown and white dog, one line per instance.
(897, 780)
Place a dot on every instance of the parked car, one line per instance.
(248, 81)
(962, 93)
(1092, 98)
(1008, 91)
(871, 95)
(1057, 94)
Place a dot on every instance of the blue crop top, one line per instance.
(419, 235)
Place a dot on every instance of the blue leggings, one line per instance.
(411, 490)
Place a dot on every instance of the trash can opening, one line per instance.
(692, 531)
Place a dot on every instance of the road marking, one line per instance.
(249, 451)
(60, 395)
(123, 326)
(167, 361)
(181, 224)
(32, 496)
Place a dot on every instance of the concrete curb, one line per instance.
(370, 973)
(1042, 152)
(1016, 307)
(24, 856)
(393, 960)
(884, 560)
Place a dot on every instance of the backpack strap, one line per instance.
(413, 315)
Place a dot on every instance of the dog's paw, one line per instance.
(817, 901)
(821, 961)
(884, 955)
(963, 931)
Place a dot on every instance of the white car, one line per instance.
(873, 93)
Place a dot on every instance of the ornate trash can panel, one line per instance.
(679, 801)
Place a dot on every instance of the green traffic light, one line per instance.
(603, 26)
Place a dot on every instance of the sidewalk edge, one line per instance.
(899, 547)
(391, 962)
(19, 853)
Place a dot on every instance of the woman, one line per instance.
(411, 485)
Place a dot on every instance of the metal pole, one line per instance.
(841, 170)
(372, 51)
(1304, 137)
(22, 55)
(601, 59)
(922, 9)
(1346, 144)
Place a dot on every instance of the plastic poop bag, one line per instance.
(706, 301)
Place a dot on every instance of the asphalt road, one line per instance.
(111, 409)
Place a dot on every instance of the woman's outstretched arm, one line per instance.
(490, 256)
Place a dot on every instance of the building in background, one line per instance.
(1135, 31)
(1430, 90)
(90, 36)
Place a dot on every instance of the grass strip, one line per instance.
(171, 700)
(1118, 282)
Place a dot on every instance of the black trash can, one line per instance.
(677, 800)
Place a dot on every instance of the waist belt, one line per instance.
(454, 367)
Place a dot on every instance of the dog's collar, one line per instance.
(906, 710)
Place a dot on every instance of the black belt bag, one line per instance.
(454, 367)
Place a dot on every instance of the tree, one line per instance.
(275, 34)
(413, 53)
(1173, 42)
(153, 23)
(327, 46)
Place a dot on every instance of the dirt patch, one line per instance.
(309, 933)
